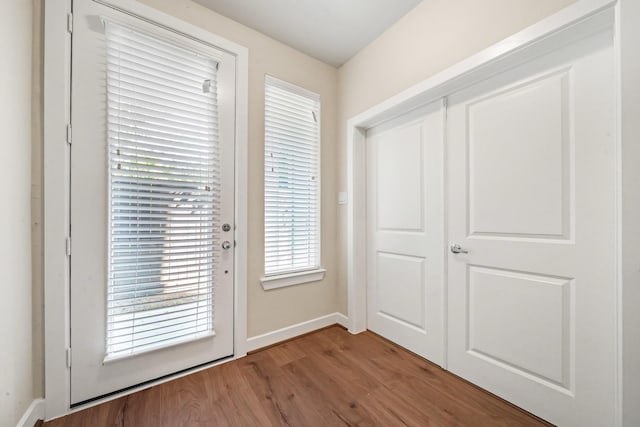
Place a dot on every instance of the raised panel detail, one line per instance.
(400, 288)
(400, 179)
(521, 321)
(519, 144)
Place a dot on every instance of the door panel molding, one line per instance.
(540, 213)
(545, 302)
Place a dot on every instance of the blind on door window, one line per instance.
(291, 178)
(164, 184)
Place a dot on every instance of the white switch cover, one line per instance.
(342, 198)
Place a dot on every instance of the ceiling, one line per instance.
(329, 30)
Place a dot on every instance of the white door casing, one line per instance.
(531, 306)
(90, 376)
(405, 258)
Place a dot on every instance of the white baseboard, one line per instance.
(274, 337)
(34, 412)
(342, 320)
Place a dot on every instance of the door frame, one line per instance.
(577, 21)
(57, 172)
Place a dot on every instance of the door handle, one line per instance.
(457, 249)
(226, 245)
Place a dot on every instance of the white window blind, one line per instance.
(164, 184)
(291, 178)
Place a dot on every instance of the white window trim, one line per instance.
(299, 277)
(57, 95)
(291, 279)
(274, 81)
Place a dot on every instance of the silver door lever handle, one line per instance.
(457, 249)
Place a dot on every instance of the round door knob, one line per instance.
(226, 245)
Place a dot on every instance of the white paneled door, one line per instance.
(405, 255)
(531, 302)
(152, 202)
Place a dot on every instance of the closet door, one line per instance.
(405, 255)
(531, 301)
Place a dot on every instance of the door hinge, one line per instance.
(69, 357)
(69, 134)
(68, 246)
(70, 22)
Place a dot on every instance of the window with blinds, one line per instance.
(164, 185)
(291, 178)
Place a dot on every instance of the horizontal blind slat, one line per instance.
(154, 115)
(195, 98)
(149, 288)
(157, 103)
(139, 304)
(145, 121)
(136, 69)
(149, 47)
(149, 274)
(150, 321)
(176, 337)
(138, 128)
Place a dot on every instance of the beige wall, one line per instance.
(275, 309)
(16, 390)
(430, 38)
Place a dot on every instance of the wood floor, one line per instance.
(327, 378)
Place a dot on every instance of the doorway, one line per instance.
(152, 202)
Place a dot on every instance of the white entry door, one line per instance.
(531, 302)
(152, 177)
(405, 258)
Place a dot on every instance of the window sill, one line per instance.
(291, 279)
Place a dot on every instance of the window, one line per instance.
(162, 123)
(291, 185)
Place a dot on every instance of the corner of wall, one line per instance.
(15, 247)
(37, 185)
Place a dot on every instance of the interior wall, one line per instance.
(435, 35)
(15, 246)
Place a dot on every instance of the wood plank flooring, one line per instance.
(327, 378)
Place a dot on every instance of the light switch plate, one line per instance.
(342, 198)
